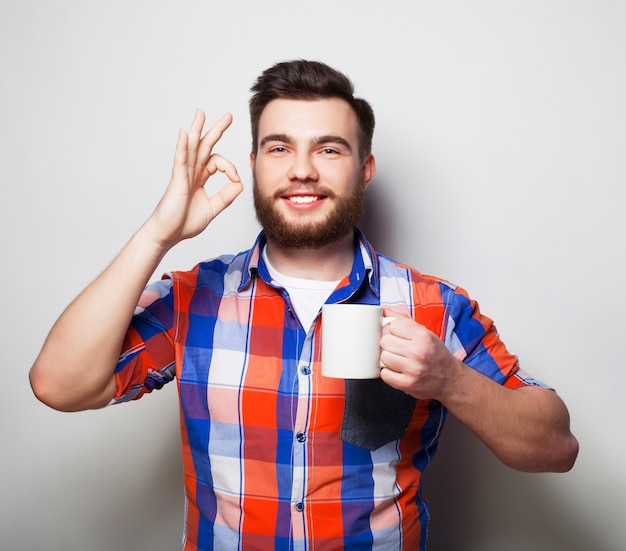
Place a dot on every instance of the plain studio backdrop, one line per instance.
(500, 146)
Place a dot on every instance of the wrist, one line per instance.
(457, 382)
(150, 237)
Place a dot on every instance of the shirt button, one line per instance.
(300, 437)
(300, 507)
(306, 371)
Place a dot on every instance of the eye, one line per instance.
(330, 151)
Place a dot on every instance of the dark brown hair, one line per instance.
(309, 80)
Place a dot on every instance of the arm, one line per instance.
(75, 368)
(527, 428)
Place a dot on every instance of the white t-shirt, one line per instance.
(307, 295)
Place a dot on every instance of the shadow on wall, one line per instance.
(377, 224)
(479, 504)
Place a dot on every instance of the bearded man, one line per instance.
(275, 455)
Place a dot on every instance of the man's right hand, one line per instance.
(75, 369)
(186, 208)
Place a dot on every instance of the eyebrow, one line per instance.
(330, 138)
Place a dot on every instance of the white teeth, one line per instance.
(303, 198)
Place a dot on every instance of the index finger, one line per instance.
(390, 312)
(405, 327)
(212, 136)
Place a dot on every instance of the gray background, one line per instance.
(500, 148)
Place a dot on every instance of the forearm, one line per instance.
(75, 368)
(527, 428)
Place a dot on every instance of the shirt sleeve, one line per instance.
(147, 361)
(473, 338)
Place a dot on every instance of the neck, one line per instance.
(329, 263)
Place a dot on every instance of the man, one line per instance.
(275, 455)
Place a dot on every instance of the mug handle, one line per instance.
(387, 320)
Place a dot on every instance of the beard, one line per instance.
(341, 220)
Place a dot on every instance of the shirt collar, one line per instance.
(364, 267)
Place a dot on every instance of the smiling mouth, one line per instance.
(302, 196)
(303, 199)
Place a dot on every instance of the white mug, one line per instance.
(351, 340)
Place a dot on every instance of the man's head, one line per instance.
(309, 80)
(311, 159)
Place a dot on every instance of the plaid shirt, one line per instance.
(265, 466)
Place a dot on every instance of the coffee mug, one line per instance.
(351, 340)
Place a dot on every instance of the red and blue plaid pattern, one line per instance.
(264, 464)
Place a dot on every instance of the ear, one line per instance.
(369, 169)
(252, 159)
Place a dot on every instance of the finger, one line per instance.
(403, 382)
(224, 197)
(395, 345)
(218, 163)
(389, 312)
(227, 194)
(211, 138)
(397, 319)
(194, 137)
(406, 328)
(394, 378)
(179, 168)
(393, 361)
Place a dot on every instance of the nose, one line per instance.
(302, 168)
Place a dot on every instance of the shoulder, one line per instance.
(392, 270)
(217, 273)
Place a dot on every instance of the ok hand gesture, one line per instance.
(186, 208)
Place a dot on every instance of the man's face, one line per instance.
(308, 178)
